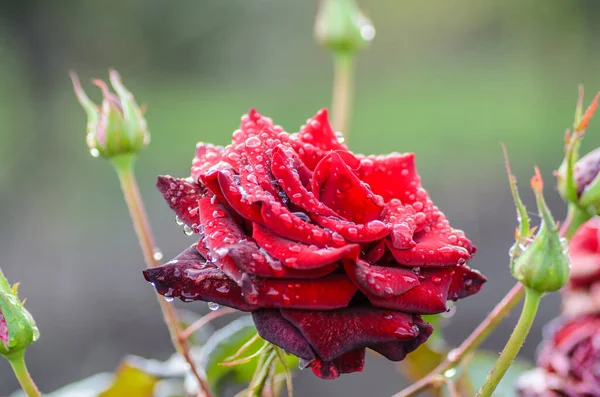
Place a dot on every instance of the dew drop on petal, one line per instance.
(213, 306)
(253, 142)
(169, 298)
(178, 221)
(187, 230)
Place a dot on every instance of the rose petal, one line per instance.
(236, 196)
(358, 233)
(207, 155)
(308, 154)
(352, 361)
(327, 293)
(429, 297)
(465, 282)
(436, 245)
(318, 132)
(284, 168)
(584, 251)
(182, 198)
(191, 277)
(333, 333)
(379, 280)
(397, 350)
(300, 256)
(337, 187)
(272, 327)
(403, 221)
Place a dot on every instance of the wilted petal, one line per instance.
(182, 198)
(352, 361)
(191, 277)
(333, 333)
(272, 327)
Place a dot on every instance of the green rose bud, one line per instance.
(577, 178)
(17, 327)
(342, 27)
(541, 262)
(118, 126)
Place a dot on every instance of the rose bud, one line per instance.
(543, 264)
(342, 27)
(332, 252)
(578, 181)
(117, 127)
(17, 327)
(567, 364)
(582, 293)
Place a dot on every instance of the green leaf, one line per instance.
(482, 363)
(225, 343)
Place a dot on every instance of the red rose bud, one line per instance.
(342, 27)
(567, 363)
(577, 178)
(582, 293)
(17, 327)
(331, 251)
(118, 126)
(543, 264)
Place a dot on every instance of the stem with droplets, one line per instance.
(124, 166)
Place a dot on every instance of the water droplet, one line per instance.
(95, 152)
(453, 355)
(178, 221)
(223, 289)
(213, 306)
(253, 142)
(450, 311)
(450, 373)
(169, 298)
(187, 230)
(157, 254)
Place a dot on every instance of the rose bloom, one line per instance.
(582, 293)
(332, 252)
(568, 363)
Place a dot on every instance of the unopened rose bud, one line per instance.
(577, 178)
(543, 263)
(342, 27)
(118, 126)
(17, 327)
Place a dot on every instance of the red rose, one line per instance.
(582, 293)
(568, 363)
(332, 252)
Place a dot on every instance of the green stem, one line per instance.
(17, 362)
(124, 166)
(532, 301)
(343, 87)
(575, 218)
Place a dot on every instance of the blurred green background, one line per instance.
(447, 79)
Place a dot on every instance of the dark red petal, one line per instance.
(182, 197)
(465, 282)
(327, 293)
(402, 218)
(285, 223)
(301, 256)
(333, 333)
(318, 132)
(337, 187)
(191, 277)
(436, 245)
(236, 196)
(207, 155)
(352, 361)
(284, 169)
(248, 256)
(379, 280)
(378, 171)
(429, 297)
(397, 350)
(355, 232)
(272, 327)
